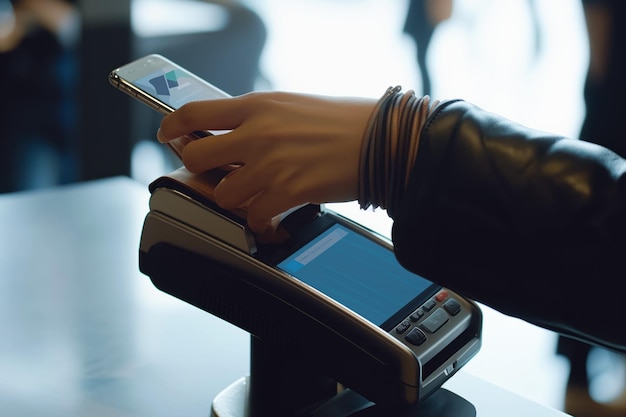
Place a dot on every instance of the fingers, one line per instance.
(212, 152)
(234, 190)
(218, 114)
(266, 206)
(213, 115)
(263, 199)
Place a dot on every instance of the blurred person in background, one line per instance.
(38, 40)
(604, 92)
(422, 18)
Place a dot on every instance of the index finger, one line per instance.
(217, 114)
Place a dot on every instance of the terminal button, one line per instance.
(417, 315)
(441, 296)
(435, 321)
(429, 305)
(452, 306)
(403, 327)
(416, 337)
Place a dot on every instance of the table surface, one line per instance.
(83, 332)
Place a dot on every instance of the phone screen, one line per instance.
(174, 87)
(358, 273)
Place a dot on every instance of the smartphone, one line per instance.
(164, 86)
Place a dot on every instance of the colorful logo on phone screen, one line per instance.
(163, 83)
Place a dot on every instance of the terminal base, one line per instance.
(233, 402)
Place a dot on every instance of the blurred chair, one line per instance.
(226, 53)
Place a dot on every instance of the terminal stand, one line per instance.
(281, 385)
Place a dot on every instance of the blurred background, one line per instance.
(528, 60)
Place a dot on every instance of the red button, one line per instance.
(441, 296)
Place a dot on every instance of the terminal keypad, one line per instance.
(429, 318)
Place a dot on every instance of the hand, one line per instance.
(294, 149)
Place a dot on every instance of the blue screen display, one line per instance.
(356, 272)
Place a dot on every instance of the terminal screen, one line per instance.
(356, 272)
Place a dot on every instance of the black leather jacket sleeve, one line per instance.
(529, 223)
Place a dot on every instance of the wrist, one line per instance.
(390, 147)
